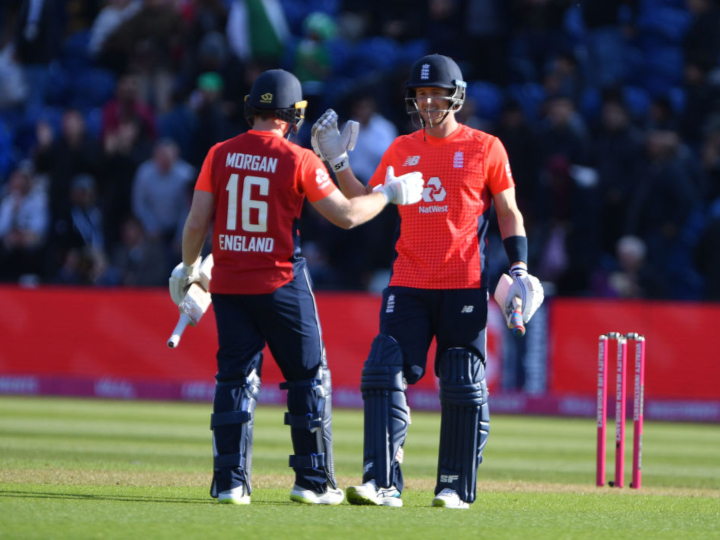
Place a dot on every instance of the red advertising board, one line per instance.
(121, 334)
(682, 345)
(111, 343)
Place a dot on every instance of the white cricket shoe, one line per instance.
(369, 494)
(236, 495)
(333, 496)
(448, 498)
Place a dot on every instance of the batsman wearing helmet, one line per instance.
(254, 185)
(438, 287)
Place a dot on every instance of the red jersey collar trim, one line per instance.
(439, 141)
(265, 133)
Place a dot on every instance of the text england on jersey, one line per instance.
(244, 243)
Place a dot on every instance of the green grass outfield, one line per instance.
(140, 470)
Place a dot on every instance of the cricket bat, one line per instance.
(515, 322)
(195, 303)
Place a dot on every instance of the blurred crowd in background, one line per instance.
(609, 110)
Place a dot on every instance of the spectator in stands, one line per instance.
(616, 157)
(608, 26)
(110, 17)
(203, 17)
(522, 143)
(400, 20)
(703, 98)
(702, 40)
(663, 198)
(161, 193)
(707, 254)
(711, 162)
(564, 199)
(138, 260)
(539, 33)
(376, 134)
(125, 149)
(128, 105)
(24, 218)
(313, 61)
(487, 27)
(257, 30)
(80, 237)
(563, 76)
(211, 125)
(661, 116)
(635, 278)
(38, 38)
(445, 21)
(150, 42)
(72, 153)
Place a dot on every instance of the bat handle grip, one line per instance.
(516, 319)
(183, 321)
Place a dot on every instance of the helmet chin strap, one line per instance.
(429, 120)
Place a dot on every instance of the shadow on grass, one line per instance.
(128, 498)
(95, 497)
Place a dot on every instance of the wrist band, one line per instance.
(516, 248)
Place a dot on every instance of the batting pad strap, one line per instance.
(307, 383)
(229, 460)
(229, 418)
(311, 420)
(453, 394)
(313, 461)
(382, 378)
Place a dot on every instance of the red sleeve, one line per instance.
(497, 168)
(204, 181)
(378, 177)
(314, 179)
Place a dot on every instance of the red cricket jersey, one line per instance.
(442, 243)
(259, 180)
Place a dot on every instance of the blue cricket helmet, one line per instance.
(436, 71)
(279, 91)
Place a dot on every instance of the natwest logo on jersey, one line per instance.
(433, 192)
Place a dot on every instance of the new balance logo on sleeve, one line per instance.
(411, 161)
(467, 309)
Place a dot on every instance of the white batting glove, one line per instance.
(405, 189)
(182, 277)
(331, 145)
(528, 288)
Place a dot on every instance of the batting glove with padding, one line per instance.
(405, 189)
(331, 145)
(183, 275)
(528, 288)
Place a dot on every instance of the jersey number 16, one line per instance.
(247, 204)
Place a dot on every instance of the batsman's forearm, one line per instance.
(511, 225)
(350, 185)
(193, 240)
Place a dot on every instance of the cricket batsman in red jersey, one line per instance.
(438, 287)
(254, 185)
